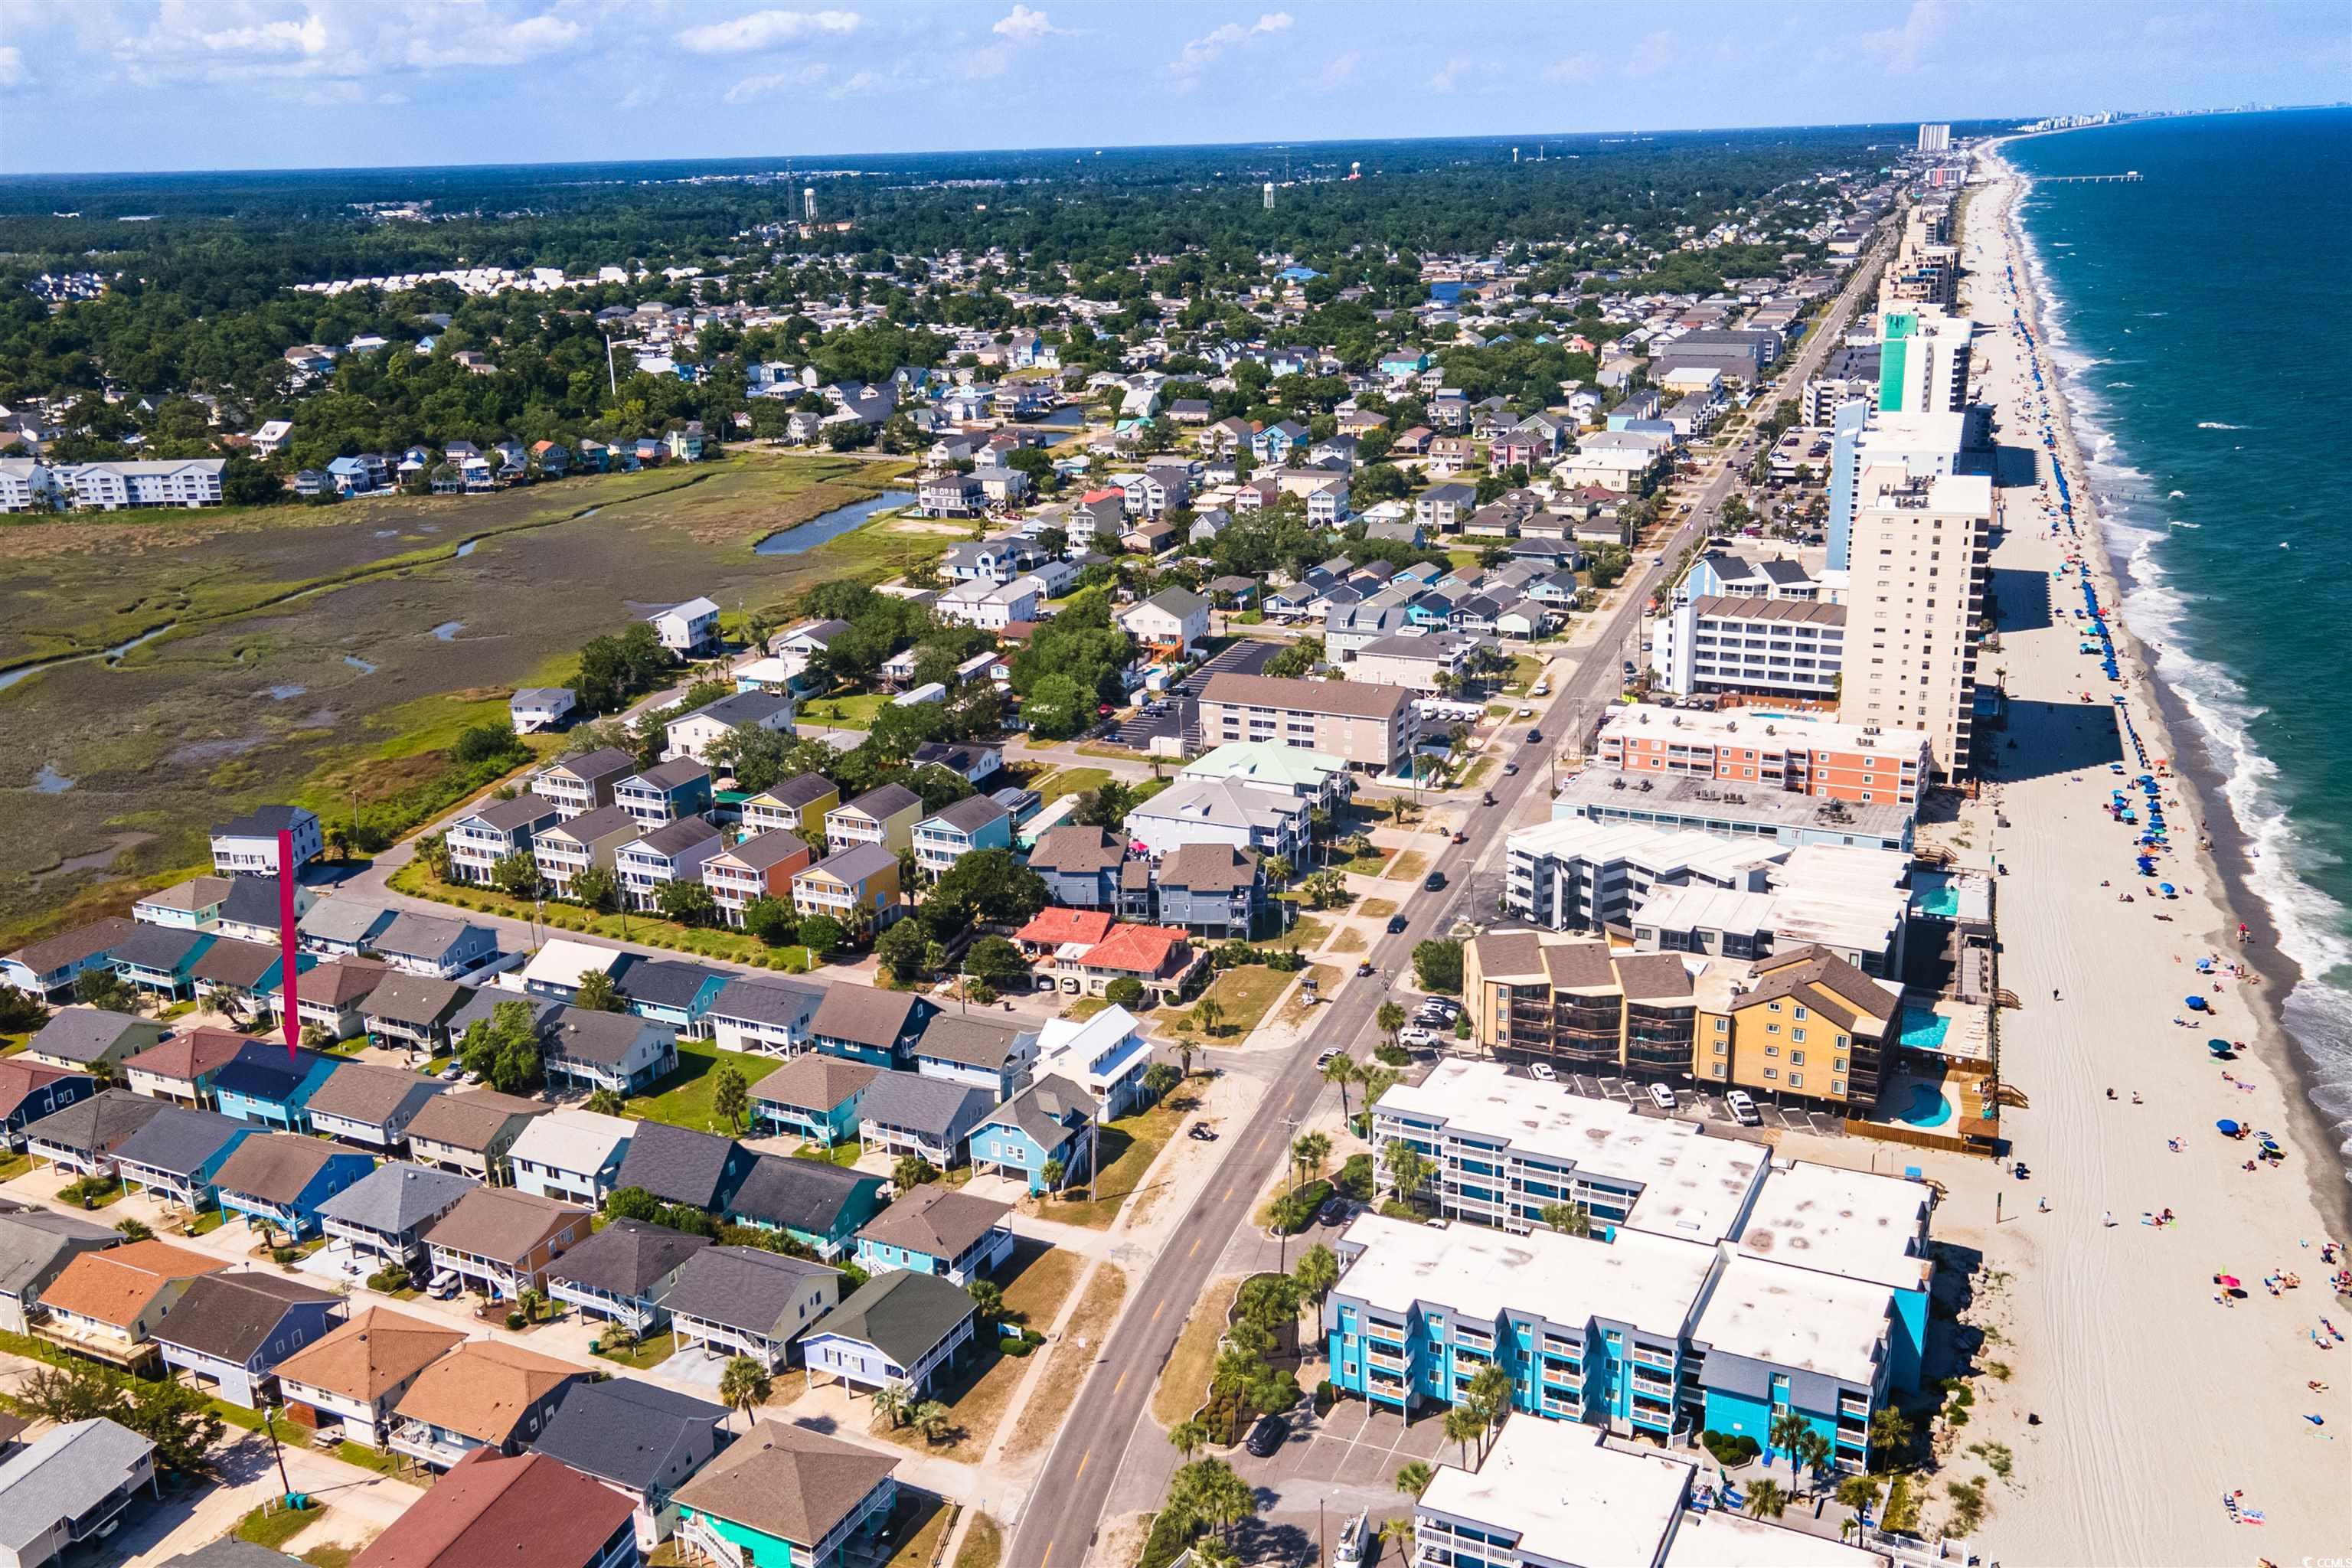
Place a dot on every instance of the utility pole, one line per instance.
(610, 375)
(269, 1424)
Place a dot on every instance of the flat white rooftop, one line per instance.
(1796, 1319)
(1651, 1282)
(1765, 729)
(1663, 851)
(1723, 1539)
(1854, 1222)
(1566, 1496)
(1693, 1186)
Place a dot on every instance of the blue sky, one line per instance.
(177, 84)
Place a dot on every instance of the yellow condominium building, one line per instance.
(1805, 1024)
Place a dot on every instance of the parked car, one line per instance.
(1266, 1435)
(1742, 1106)
(1540, 688)
(1541, 1072)
(1525, 712)
(1204, 1132)
(1417, 1036)
(1661, 1096)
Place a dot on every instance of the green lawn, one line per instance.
(1246, 992)
(14, 1165)
(1305, 936)
(264, 1528)
(1073, 781)
(645, 1354)
(852, 713)
(843, 1154)
(1129, 1146)
(684, 1098)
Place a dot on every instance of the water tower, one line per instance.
(1269, 195)
(808, 203)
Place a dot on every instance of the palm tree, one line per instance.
(932, 1420)
(1185, 1048)
(744, 1383)
(1860, 1493)
(1788, 1430)
(1813, 1452)
(1342, 1069)
(1408, 1168)
(1220, 1496)
(1398, 1533)
(1310, 1151)
(1389, 1020)
(1053, 1171)
(1889, 1433)
(1317, 1271)
(1278, 870)
(1465, 1427)
(1189, 1437)
(892, 1400)
(731, 1097)
(1208, 1015)
(603, 1101)
(989, 1296)
(1766, 1499)
(1414, 1477)
(1568, 1218)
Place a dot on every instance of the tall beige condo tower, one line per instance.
(1919, 565)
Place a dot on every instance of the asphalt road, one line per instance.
(1064, 1513)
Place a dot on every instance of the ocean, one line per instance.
(2203, 318)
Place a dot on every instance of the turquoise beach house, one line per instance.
(272, 1086)
(785, 1496)
(812, 1097)
(1053, 1119)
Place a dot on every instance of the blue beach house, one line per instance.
(939, 1231)
(1053, 1119)
(812, 1097)
(277, 1180)
(816, 1202)
(860, 1023)
(267, 1086)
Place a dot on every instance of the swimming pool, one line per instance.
(1943, 899)
(1923, 1029)
(1928, 1106)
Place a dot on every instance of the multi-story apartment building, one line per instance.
(760, 867)
(479, 840)
(1880, 761)
(1768, 648)
(580, 785)
(1373, 728)
(1502, 1148)
(674, 852)
(592, 839)
(1575, 874)
(1923, 360)
(1923, 444)
(1920, 555)
(1804, 1023)
(26, 484)
(247, 844)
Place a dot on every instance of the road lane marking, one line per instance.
(1163, 1305)
(1196, 1246)
(1048, 1557)
(1119, 1384)
(1082, 1464)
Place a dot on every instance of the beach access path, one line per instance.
(2156, 1396)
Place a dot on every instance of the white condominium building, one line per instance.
(1919, 565)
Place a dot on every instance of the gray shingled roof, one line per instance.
(179, 1140)
(363, 1092)
(970, 1042)
(1047, 1110)
(756, 1000)
(604, 1038)
(815, 1082)
(743, 1287)
(865, 1015)
(798, 1194)
(630, 1433)
(275, 1166)
(941, 1111)
(680, 1165)
(62, 1474)
(627, 1258)
(416, 1000)
(32, 1239)
(940, 1222)
(901, 1313)
(231, 1316)
(101, 1122)
(84, 1034)
(396, 1197)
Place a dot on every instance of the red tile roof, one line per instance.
(1139, 950)
(493, 1511)
(1053, 927)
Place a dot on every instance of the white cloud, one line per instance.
(1210, 47)
(758, 30)
(1339, 72)
(1654, 54)
(858, 85)
(1903, 50)
(1575, 68)
(12, 65)
(1024, 26)
(752, 87)
(1448, 75)
(504, 46)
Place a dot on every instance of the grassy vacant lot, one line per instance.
(1073, 781)
(1305, 937)
(1296, 1011)
(984, 1544)
(1413, 864)
(853, 713)
(1072, 1354)
(917, 1524)
(1129, 1147)
(1349, 941)
(328, 654)
(1183, 1384)
(1378, 908)
(1244, 992)
(684, 1098)
(645, 1354)
(273, 1529)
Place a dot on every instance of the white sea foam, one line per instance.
(2218, 425)
(2310, 925)
(2176, 495)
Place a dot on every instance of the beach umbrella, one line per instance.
(2227, 1281)
(2225, 1124)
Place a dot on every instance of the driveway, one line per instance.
(1347, 1459)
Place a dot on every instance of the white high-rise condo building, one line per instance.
(1934, 138)
(1917, 589)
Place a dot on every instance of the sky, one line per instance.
(142, 85)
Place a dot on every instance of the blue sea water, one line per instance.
(2202, 319)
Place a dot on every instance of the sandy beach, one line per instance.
(2158, 1392)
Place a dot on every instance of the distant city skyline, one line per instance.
(147, 85)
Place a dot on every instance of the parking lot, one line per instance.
(1705, 1102)
(1354, 1452)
